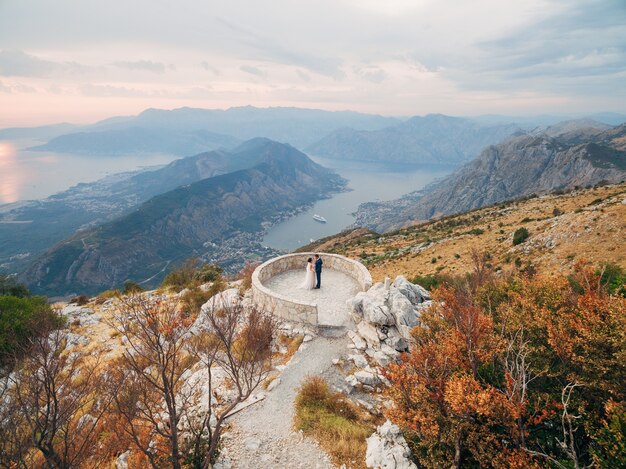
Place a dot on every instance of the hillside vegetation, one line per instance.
(562, 228)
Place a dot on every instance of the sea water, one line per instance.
(368, 182)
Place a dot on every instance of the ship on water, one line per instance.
(319, 218)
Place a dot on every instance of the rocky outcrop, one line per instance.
(384, 316)
(524, 165)
(387, 449)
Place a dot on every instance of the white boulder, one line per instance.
(369, 333)
(415, 293)
(387, 449)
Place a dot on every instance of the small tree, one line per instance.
(519, 236)
(148, 376)
(149, 380)
(238, 341)
(53, 395)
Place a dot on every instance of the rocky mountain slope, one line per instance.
(27, 229)
(521, 166)
(432, 139)
(217, 219)
(186, 131)
(563, 228)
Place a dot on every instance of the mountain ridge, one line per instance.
(431, 139)
(520, 166)
(211, 217)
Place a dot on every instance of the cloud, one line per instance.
(20, 64)
(303, 76)
(90, 89)
(209, 68)
(252, 70)
(371, 73)
(142, 65)
(267, 49)
(578, 47)
(16, 88)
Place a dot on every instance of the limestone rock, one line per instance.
(395, 340)
(85, 316)
(229, 297)
(356, 305)
(375, 309)
(358, 359)
(403, 310)
(387, 449)
(369, 333)
(122, 460)
(414, 293)
(366, 377)
(357, 340)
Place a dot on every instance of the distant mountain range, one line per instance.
(434, 139)
(138, 140)
(217, 218)
(186, 131)
(527, 164)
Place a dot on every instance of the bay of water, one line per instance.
(369, 182)
(30, 175)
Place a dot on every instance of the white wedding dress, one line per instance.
(309, 277)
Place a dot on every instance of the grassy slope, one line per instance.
(592, 226)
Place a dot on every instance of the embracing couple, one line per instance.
(313, 276)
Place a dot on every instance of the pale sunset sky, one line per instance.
(82, 60)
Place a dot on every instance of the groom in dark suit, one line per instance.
(318, 270)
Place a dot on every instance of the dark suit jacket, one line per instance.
(318, 265)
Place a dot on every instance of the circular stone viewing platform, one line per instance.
(276, 286)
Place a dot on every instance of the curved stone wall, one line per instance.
(289, 308)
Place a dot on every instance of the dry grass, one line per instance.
(334, 422)
(292, 344)
(591, 226)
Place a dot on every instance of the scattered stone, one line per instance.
(122, 460)
(358, 359)
(352, 380)
(357, 340)
(387, 449)
(366, 378)
(307, 338)
(368, 332)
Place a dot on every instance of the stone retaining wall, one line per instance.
(289, 308)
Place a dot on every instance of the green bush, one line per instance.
(429, 281)
(192, 273)
(520, 235)
(9, 286)
(21, 319)
(613, 277)
(131, 287)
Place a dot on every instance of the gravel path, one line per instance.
(262, 435)
(336, 288)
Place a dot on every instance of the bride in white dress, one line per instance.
(309, 277)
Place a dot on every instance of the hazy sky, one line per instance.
(83, 60)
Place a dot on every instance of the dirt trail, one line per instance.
(262, 435)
